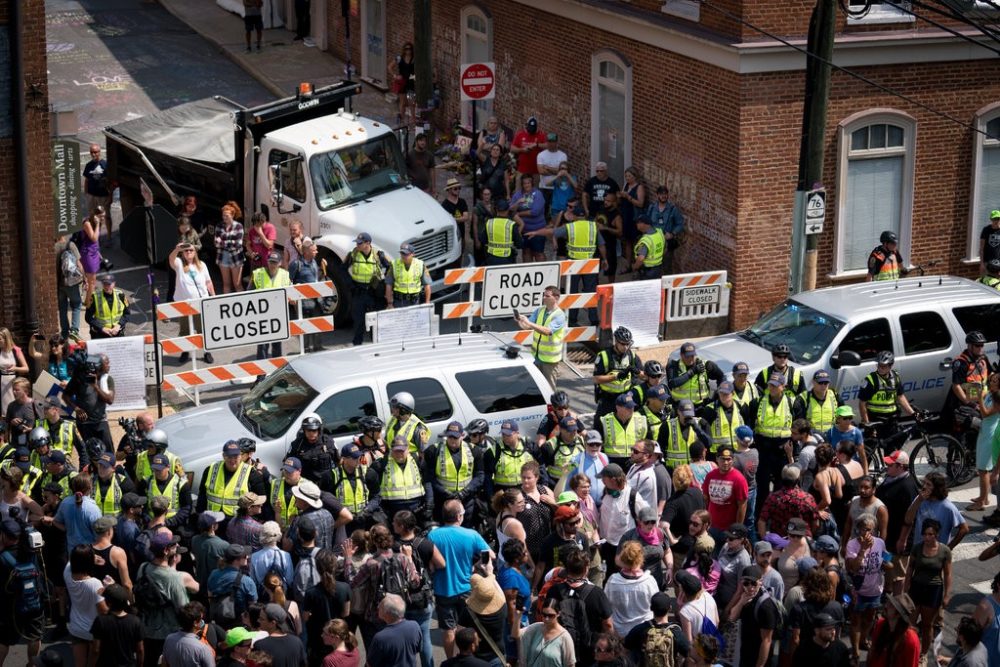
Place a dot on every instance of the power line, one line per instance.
(902, 7)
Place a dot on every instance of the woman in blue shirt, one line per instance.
(517, 589)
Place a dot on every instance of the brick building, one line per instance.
(39, 170)
(698, 99)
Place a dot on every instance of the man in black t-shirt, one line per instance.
(457, 208)
(596, 188)
(635, 641)
(567, 521)
(989, 241)
(760, 618)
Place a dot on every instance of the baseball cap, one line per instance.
(501, 204)
(234, 551)
(763, 547)
(454, 430)
(612, 470)
(776, 379)
(726, 388)
(570, 424)
(291, 464)
(237, 636)
(107, 279)
(594, 437)
(531, 121)
(274, 258)
(994, 215)
(806, 564)
(744, 432)
(898, 456)
(56, 456)
(797, 526)
(104, 524)
(231, 448)
(686, 408)
(824, 620)
(625, 400)
(687, 349)
(351, 451)
(208, 519)
(821, 376)
(106, 460)
(406, 249)
(661, 189)
(643, 219)
(844, 411)
(776, 541)
(552, 136)
(724, 450)
(647, 513)
(689, 583)
(130, 500)
(826, 544)
(741, 367)
(509, 428)
(161, 542)
(399, 443)
(275, 613)
(752, 572)
(737, 530)
(658, 392)
(22, 458)
(363, 237)
(250, 499)
(579, 210)
(159, 462)
(567, 497)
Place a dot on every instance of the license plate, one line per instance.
(701, 296)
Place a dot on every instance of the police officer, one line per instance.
(723, 417)
(557, 411)
(280, 503)
(969, 373)
(884, 262)
(656, 409)
(367, 270)
(992, 276)
(503, 466)
(558, 453)
(108, 310)
(356, 485)
(881, 396)
(406, 279)
(62, 432)
(688, 376)
(653, 376)
(500, 236)
(478, 435)
(772, 415)
(402, 485)
(248, 449)
(621, 429)
(615, 371)
(316, 450)
(455, 470)
(174, 488)
(679, 433)
(744, 392)
(795, 384)
(110, 485)
(818, 405)
(155, 442)
(405, 424)
(649, 250)
(32, 473)
(270, 277)
(370, 440)
(225, 481)
(57, 471)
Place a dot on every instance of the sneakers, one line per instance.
(308, 41)
(209, 359)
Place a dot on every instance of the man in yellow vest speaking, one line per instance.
(549, 324)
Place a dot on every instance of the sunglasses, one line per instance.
(649, 523)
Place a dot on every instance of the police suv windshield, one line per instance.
(357, 172)
(806, 331)
(276, 403)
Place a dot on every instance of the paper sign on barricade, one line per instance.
(128, 368)
(402, 323)
(636, 306)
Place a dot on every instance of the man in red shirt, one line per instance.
(726, 492)
(526, 146)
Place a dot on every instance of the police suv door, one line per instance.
(927, 348)
(866, 339)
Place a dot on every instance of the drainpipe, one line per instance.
(20, 110)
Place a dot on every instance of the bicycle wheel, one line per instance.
(939, 453)
(876, 466)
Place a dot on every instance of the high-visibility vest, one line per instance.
(353, 495)
(678, 445)
(225, 497)
(363, 269)
(820, 414)
(63, 438)
(454, 479)
(563, 455)
(990, 281)
(284, 510)
(976, 374)
(774, 422)
(172, 492)
(883, 401)
(110, 502)
(616, 386)
(408, 430)
(653, 422)
(618, 439)
(507, 471)
(63, 482)
(723, 431)
(548, 349)
(695, 389)
(747, 396)
(407, 280)
(889, 270)
(500, 237)
(793, 377)
(581, 239)
(654, 243)
(107, 314)
(30, 478)
(402, 483)
(263, 280)
(143, 471)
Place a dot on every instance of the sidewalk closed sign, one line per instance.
(246, 318)
(517, 287)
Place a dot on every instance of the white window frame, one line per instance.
(467, 11)
(844, 131)
(983, 117)
(884, 12)
(607, 55)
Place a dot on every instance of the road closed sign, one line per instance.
(245, 318)
(516, 287)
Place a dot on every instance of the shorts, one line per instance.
(535, 244)
(866, 602)
(253, 23)
(448, 609)
(898, 571)
(227, 260)
(926, 595)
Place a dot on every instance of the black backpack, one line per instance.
(223, 609)
(147, 594)
(392, 578)
(419, 596)
(572, 606)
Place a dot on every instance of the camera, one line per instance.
(32, 538)
(131, 442)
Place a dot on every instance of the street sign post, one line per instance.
(516, 287)
(66, 186)
(245, 318)
(815, 211)
(477, 82)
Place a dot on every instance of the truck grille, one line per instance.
(434, 248)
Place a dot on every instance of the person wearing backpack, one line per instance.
(486, 611)
(229, 590)
(584, 608)
(160, 595)
(549, 644)
(22, 612)
(760, 616)
(69, 283)
(426, 558)
(270, 558)
(658, 642)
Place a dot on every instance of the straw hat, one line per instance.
(486, 597)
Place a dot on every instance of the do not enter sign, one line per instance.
(477, 82)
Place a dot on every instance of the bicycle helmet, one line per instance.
(403, 400)
(886, 358)
(38, 437)
(247, 445)
(312, 423)
(157, 437)
(623, 335)
(972, 338)
(781, 348)
(888, 237)
(993, 266)
(653, 368)
(559, 400)
(370, 423)
(95, 449)
(477, 427)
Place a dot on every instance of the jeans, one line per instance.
(70, 298)
(423, 618)
(580, 284)
(362, 300)
(262, 350)
(751, 515)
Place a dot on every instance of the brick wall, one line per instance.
(40, 179)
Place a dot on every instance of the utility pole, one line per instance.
(422, 68)
(822, 26)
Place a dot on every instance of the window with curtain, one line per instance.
(987, 179)
(477, 47)
(612, 114)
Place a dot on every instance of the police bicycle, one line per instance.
(944, 453)
(932, 451)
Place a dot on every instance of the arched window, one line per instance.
(875, 185)
(477, 47)
(985, 177)
(611, 109)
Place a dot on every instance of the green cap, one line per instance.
(237, 636)
(567, 497)
(844, 411)
(994, 214)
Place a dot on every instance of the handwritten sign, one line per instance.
(637, 307)
(403, 323)
(128, 368)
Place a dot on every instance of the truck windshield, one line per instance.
(276, 403)
(806, 331)
(357, 172)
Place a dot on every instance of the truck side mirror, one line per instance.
(844, 359)
(276, 184)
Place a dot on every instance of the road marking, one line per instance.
(972, 545)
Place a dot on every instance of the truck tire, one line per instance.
(341, 300)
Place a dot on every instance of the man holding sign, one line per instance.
(549, 324)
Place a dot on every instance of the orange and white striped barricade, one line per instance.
(695, 296)
(186, 381)
(573, 335)
(469, 309)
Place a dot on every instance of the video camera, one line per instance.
(31, 538)
(131, 442)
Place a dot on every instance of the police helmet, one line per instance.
(781, 348)
(972, 338)
(312, 423)
(993, 266)
(652, 368)
(886, 358)
(888, 237)
(156, 437)
(477, 427)
(247, 445)
(623, 335)
(95, 448)
(403, 400)
(370, 423)
(559, 400)
(38, 437)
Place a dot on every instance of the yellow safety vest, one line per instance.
(774, 422)
(507, 471)
(564, 455)
(618, 439)
(402, 484)
(363, 269)
(144, 472)
(63, 482)
(653, 422)
(616, 386)
(547, 349)
(408, 431)
(407, 280)
(354, 496)
(793, 377)
(990, 281)
(223, 497)
(64, 438)
(654, 243)
(820, 415)
(723, 431)
(110, 502)
(883, 401)
(454, 479)
(284, 512)
(500, 237)
(890, 267)
(678, 451)
(747, 396)
(31, 476)
(172, 492)
(695, 389)
(581, 239)
(105, 314)
(263, 280)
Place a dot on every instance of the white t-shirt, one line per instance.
(644, 481)
(697, 610)
(552, 159)
(191, 283)
(615, 518)
(84, 598)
